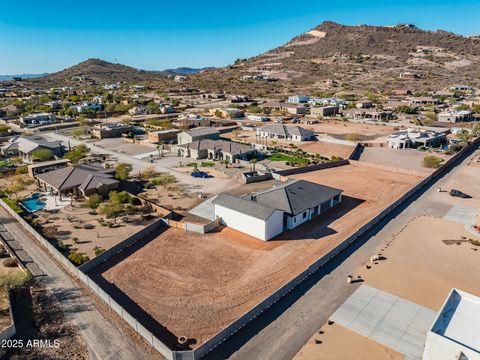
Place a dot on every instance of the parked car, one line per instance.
(458, 193)
(200, 174)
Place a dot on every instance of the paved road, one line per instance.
(210, 185)
(282, 330)
(104, 340)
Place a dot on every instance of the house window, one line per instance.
(304, 214)
(294, 219)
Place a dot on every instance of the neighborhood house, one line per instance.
(79, 181)
(268, 213)
(284, 132)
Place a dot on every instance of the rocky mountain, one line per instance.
(184, 71)
(334, 58)
(99, 71)
(21, 76)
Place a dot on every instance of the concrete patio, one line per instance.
(387, 319)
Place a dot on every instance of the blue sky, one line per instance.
(46, 36)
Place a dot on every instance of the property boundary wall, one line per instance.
(80, 274)
(392, 169)
(278, 174)
(249, 316)
(238, 324)
(10, 330)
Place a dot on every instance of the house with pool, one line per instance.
(78, 181)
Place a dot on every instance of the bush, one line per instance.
(432, 162)
(77, 258)
(15, 280)
(93, 201)
(13, 205)
(2, 253)
(10, 262)
(164, 179)
(98, 250)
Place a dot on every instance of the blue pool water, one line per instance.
(33, 203)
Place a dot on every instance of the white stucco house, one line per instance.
(284, 132)
(268, 213)
(412, 138)
(455, 332)
(455, 116)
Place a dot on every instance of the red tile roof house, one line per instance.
(79, 181)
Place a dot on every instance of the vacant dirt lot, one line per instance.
(338, 342)
(195, 285)
(336, 127)
(410, 159)
(419, 266)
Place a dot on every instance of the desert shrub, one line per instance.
(15, 280)
(61, 245)
(432, 162)
(10, 262)
(13, 205)
(164, 179)
(93, 201)
(2, 253)
(98, 250)
(78, 258)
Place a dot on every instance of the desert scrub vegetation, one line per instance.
(78, 258)
(432, 162)
(15, 279)
(164, 179)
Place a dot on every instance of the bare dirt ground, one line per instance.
(419, 266)
(173, 197)
(195, 285)
(338, 342)
(409, 159)
(327, 149)
(337, 127)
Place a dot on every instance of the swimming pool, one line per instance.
(33, 203)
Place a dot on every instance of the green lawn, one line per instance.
(284, 157)
(201, 164)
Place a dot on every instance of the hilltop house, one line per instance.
(455, 116)
(26, 146)
(79, 181)
(268, 213)
(293, 109)
(373, 114)
(110, 130)
(200, 133)
(93, 106)
(139, 110)
(215, 150)
(324, 111)
(298, 99)
(284, 132)
(37, 119)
